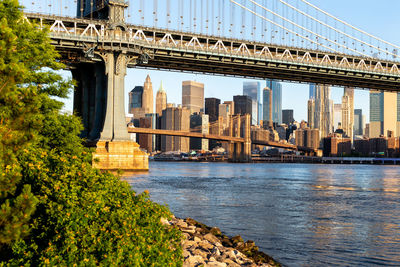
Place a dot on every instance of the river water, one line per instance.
(301, 215)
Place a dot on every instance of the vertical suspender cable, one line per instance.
(207, 16)
(190, 15)
(223, 18)
(219, 18)
(263, 26)
(243, 20)
(155, 13)
(231, 31)
(253, 22)
(91, 9)
(168, 17)
(201, 16)
(194, 15)
(212, 17)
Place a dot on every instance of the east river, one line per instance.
(301, 215)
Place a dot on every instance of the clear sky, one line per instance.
(379, 18)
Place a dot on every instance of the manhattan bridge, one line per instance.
(289, 40)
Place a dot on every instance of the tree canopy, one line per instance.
(55, 209)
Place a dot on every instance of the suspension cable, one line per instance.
(347, 24)
(280, 26)
(333, 28)
(301, 27)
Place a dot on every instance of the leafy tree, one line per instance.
(55, 208)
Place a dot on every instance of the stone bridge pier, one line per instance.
(240, 126)
(100, 92)
(99, 101)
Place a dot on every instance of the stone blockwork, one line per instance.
(120, 155)
(206, 246)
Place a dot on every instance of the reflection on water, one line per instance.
(301, 215)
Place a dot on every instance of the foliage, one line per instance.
(55, 208)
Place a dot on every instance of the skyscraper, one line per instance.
(312, 90)
(253, 89)
(161, 100)
(267, 108)
(348, 112)
(135, 101)
(382, 117)
(175, 119)
(212, 108)
(337, 116)
(287, 116)
(193, 96)
(358, 122)
(311, 113)
(141, 100)
(323, 119)
(243, 104)
(147, 98)
(276, 88)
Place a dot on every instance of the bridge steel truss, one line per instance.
(85, 40)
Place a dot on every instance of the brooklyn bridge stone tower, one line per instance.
(99, 93)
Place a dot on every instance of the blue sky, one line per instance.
(379, 18)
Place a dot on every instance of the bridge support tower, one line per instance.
(99, 101)
(240, 126)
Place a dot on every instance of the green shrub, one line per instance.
(55, 208)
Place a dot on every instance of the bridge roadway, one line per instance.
(217, 137)
(85, 40)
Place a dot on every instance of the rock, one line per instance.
(181, 224)
(186, 254)
(249, 244)
(201, 253)
(227, 242)
(193, 261)
(188, 230)
(164, 221)
(212, 238)
(238, 245)
(205, 245)
(215, 231)
(186, 235)
(237, 239)
(188, 244)
(231, 254)
(215, 252)
(231, 263)
(211, 258)
(216, 264)
(197, 239)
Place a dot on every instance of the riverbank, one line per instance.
(206, 246)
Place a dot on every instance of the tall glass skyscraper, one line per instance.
(253, 90)
(276, 88)
(382, 118)
(313, 88)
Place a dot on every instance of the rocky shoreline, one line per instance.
(207, 246)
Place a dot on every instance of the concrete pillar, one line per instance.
(115, 128)
(100, 102)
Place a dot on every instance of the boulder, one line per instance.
(215, 231)
(205, 245)
(216, 264)
(193, 261)
(212, 238)
(201, 253)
